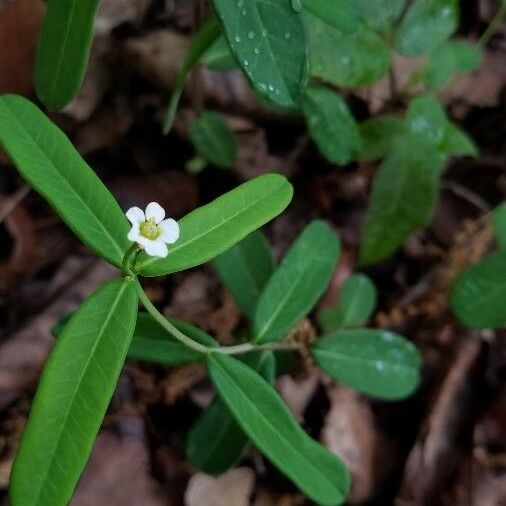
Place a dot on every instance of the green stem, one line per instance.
(129, 259)
(494, 25)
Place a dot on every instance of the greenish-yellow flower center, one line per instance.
(150, 230)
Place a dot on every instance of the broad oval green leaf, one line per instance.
(245, 270)
(340, 14)
(456, 142)
(219, 57)
(297, 284)
(63, 50)
(378, 136)
(479, 294)
(427, 24)
(499, 224)
(379, 14)
(375, 362)
(268, 40)
(213, 139)
(216, 441)
(215, 227)
(349, 60)
(357, 301)
(261, 413)
(47, 160)
(331, 124)
(77, 384)
(403, 199)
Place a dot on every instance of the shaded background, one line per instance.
(444, 446)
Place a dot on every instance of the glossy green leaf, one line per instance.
(72, 398)
(219, 57)
(331, 124)
(151, 343)
(426, 25)
(216, 442)
(213, 139)
(479, 294)
(216, 227)
(499, 224)
(376, 362)
(357, 301)
(340, 14)
(349, 60)
(262, 414)
(245, 270)
(403, 199)
(47, 160)
(448, 59)
(63, 50)
(297, 284)
(200, 43)
(268, 40)
(379, 14)
(456, 142)
(378, 136)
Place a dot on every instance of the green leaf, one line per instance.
(379, 14)
(218, 57)
(376, 362)
(216, 441)
(499, 224)
(200, 43)
(479, 294)
(378, 136)
(348, 60)
(47, 160)
(216, 227)
(297, 284)
(357, 301)
(448, 59)
(339, 14)
(262, 414)
(63, 50)
(403, 199)
(72, 398)
(268, 39)
(151, 343)
(245, 270)
(427, 24)
(213, 139)
(331, 124)
(456, 142)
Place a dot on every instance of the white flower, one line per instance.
(151, 231)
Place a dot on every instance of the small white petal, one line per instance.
(155, 211)
(135, 215)
(156, 248)
(134, 233)
(170, 231)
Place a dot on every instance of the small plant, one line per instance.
(81, 374)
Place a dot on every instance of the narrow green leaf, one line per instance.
(351, 60)
(262, 414)
(378, 136)
(331, 124)
(337, 13)
(357, 301)
(200, 43)
(151, 343)
(219, 57)
(403, 199)
(63, 50)
(376, 362)
(216, 227)
(499, 224)
(216, 442)
(427, 24)
(379, 14)
(268, 40)
(479, 294)
(213, 139)
(456, 142)
(245, 270)
(75, 389)
(47, 160)
(297, 284)
(448, 59)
